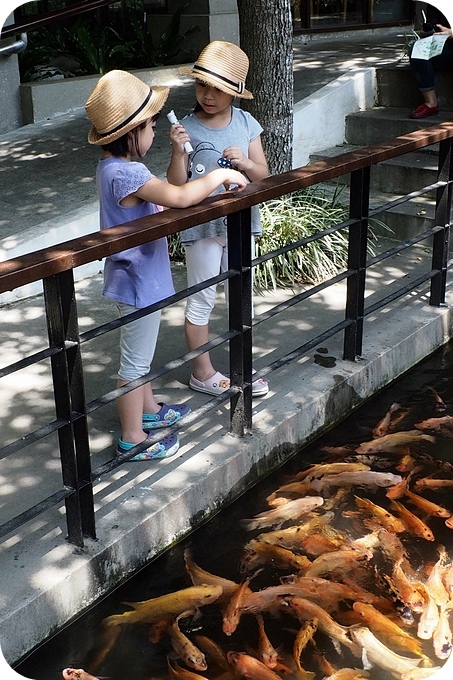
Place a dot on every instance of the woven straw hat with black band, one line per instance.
(223, 65)
(119, 102)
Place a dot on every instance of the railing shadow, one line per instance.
(64, 356)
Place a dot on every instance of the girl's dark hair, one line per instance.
(122, 146)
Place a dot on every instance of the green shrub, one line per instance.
(289, 219)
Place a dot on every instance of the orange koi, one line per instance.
(383, 425)
(177, 671)
(260, 552)
(250, 668)
(386, 630)
(304, 610)
(213, 652)
(340, 560)
(385, 518)
(431, 483)
(199, 576)
(233, 610)
(413, 523)
(428, 507)
(266, 651)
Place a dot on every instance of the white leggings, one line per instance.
(137, 343)
(205, 258)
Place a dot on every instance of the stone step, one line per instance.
(381, 123)
(396, 87)
(400, 175)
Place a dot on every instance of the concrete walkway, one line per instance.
(140, 509)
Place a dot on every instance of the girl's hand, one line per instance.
(178, 136)
(234, 180)
(237, 157)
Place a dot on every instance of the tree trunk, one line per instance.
(266, 33)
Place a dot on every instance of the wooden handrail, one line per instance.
(97, 245)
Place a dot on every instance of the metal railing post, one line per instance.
(240, 319)
(357, 251)
(70, 405)
(443, 218)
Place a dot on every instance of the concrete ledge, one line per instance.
(319, 120)
(49, 582)
(46, 99)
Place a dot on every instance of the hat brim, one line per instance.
(211, 80)
(159, 95)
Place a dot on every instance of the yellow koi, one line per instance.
(303, 637)
(166, 606)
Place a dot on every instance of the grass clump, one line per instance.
(291, 218)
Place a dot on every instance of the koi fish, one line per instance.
(199, 577)
(435, 581)
(340, 560)
(213, 652)
(266, 651)
(368, 478)
(413, 523)
(184, 647)
(431, 483)
(233, 610)
(303, 637)
(395, 443)
(166, 606)
(260, 552)
(322, 469)
(429, 617)
(177, 671)
(383, 425)
(384, 517)
(323, 591)
(442, 425)
(250, 668)
(386, 630)
(293, 537)
(407, 589)
(299, 488)
(428, 507)
(420, 673)
(304, 610)
(349, 674)
(288, 510)
(376, 653)
(442, 636)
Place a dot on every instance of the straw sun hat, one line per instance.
(119, 102)
(223, 65)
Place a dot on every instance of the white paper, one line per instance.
(429, 47)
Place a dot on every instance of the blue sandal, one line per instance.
(168, 415)
(164, 448)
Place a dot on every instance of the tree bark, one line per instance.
(266, 32)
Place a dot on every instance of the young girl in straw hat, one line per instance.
(220, 134)
(123, 111)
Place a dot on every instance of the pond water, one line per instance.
(218, 548)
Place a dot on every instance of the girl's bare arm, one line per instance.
(190, 193)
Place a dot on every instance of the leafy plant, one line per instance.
(286, 220)
(290, 218)
(149, 53)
